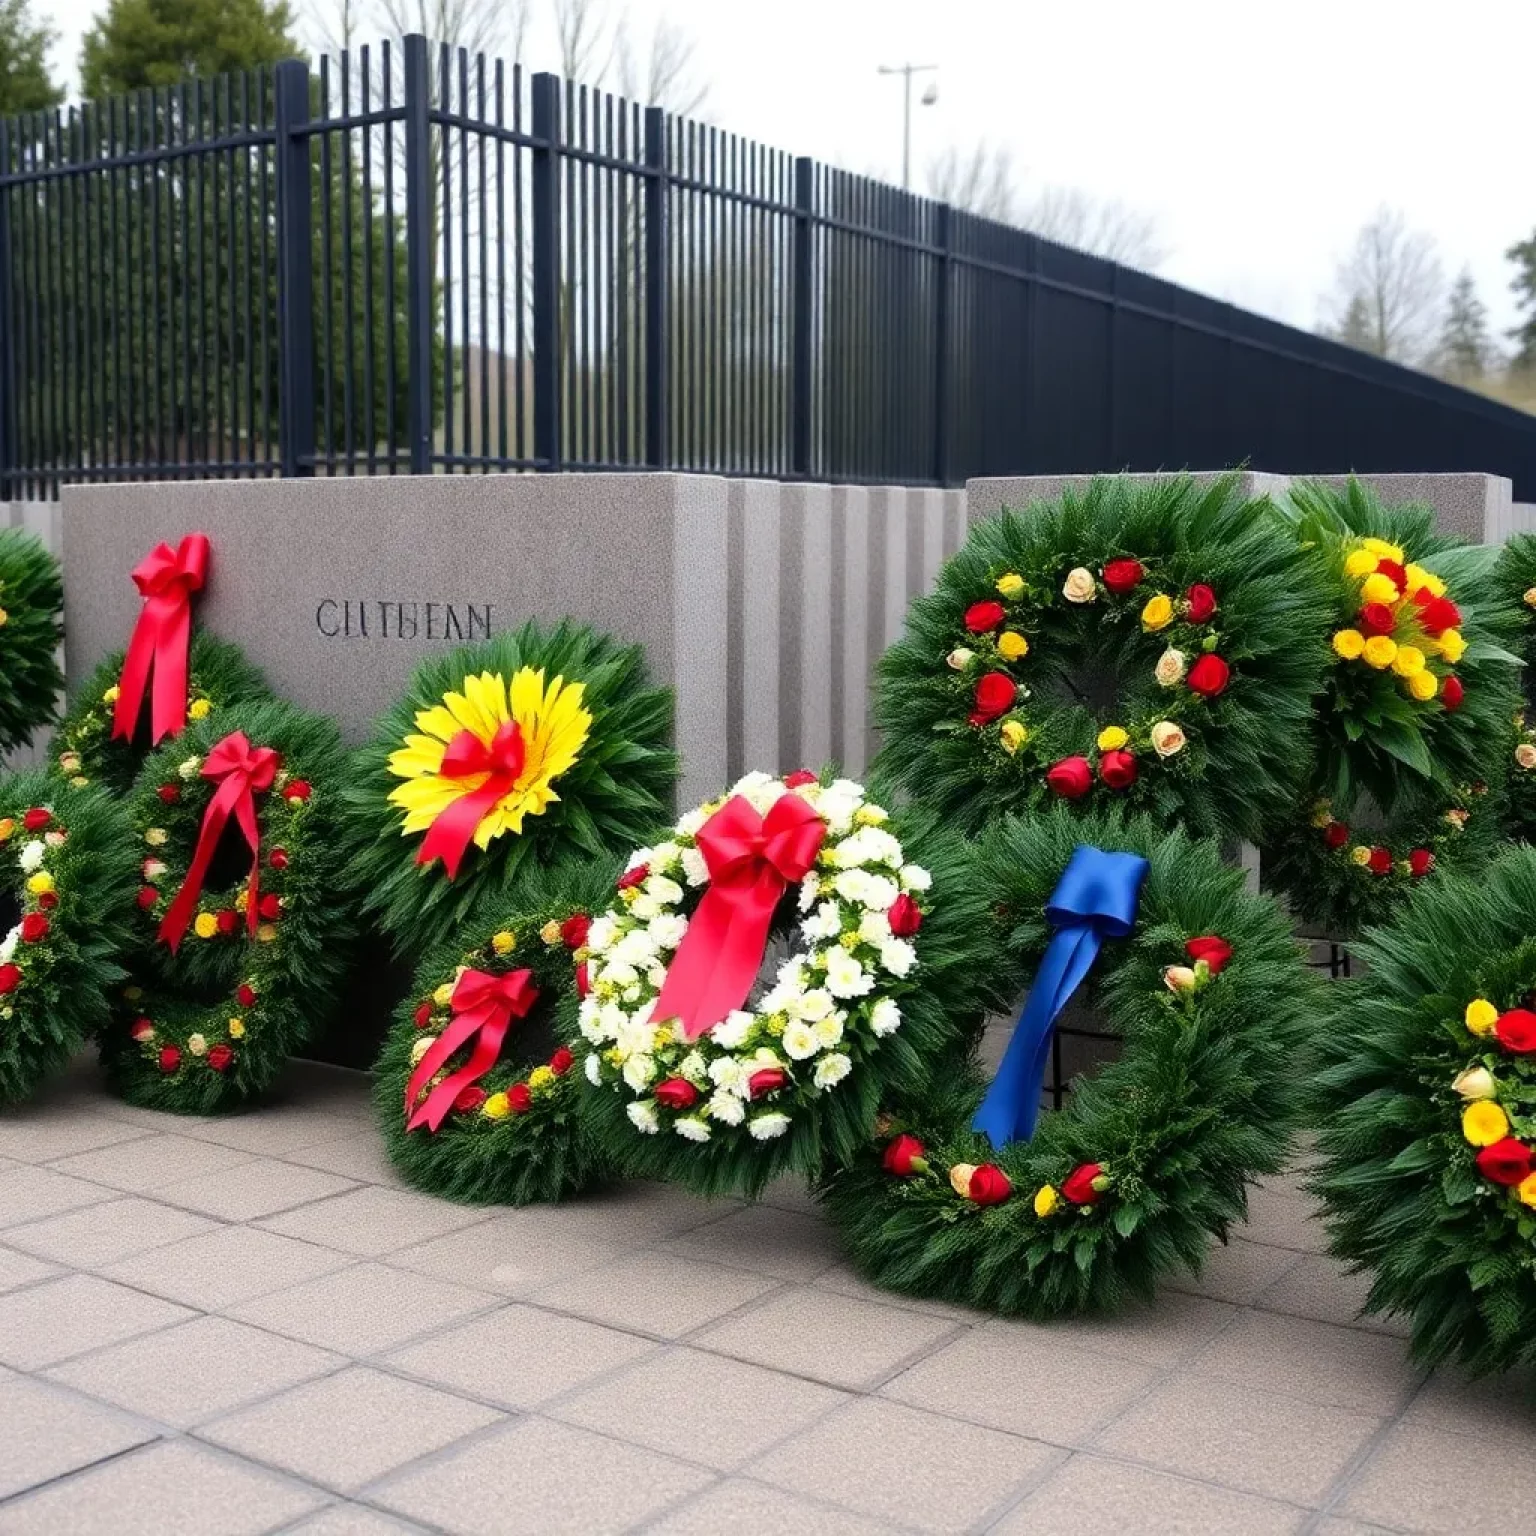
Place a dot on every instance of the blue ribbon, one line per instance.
(1095, 899)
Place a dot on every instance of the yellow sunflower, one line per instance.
(553, 724)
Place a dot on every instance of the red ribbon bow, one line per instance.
(484, 1006)
(240, 770)
(751, 860)
(453, 828)
(167, 579)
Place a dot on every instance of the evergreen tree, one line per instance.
(1523, 254)
(139, 43)
(25, 84)
(1465, 347)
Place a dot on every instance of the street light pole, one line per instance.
(930, 96)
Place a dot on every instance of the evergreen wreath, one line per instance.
(31, 605)
(508, 1128)
(889, 971)
(562, 720)
(207, 1025)
(1150, 1156)
(84, 750)
(66, 895)
(1195, 603)
(1427, 1126)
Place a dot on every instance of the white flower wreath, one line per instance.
(827, 1010)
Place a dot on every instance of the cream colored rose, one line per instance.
(1530, 597)
(960, 658)
(1079, 587)
(1525, 755)
(1475, 1083)
(1167, 738)
(1179, 978)
(960, 1178)
(1170, 667)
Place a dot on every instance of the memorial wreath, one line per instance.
(244, 918)
(960, 1196)
(31, 600)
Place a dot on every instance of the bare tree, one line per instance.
(663, 75)
(581, 26)
(981, 182)
(1388, 293)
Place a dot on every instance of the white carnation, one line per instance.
(837, 810)
(657, 977)
(810, 888)
(845, 976)
(31, 856)
(666, 931)
(645, 907)
(594, 1070)
(915, 878)
(761, 797)
(643, 1114)
(638, 1072)
(851, 884)
(767, 1127)
(726, 1108)
(880, 893)
(814, 1005)
(635, 949)
(589, 1022)
(692, 1067)
(689, 825)
(601, 934)
(826, 922)
(897, 956)
(729, 1075)
(637, 858)
(849, 787)
(664, 856)
(691, 1129)
(792, 974)
(829, 1031)
(188, 769)
(799, 1041)
(883, 848)
(851, 852)
(8, 944)
(618, 973)
(831, 1070)
(732, 1031)
(634, 1038)
(751, 781)
(874, 928)
(695, 870)
(885, 1017)
(666, 891)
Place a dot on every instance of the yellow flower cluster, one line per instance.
(1406, 649)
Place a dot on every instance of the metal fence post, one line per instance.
(295, 265)
(418, 255)
(942, 278)
(546, 270)
(800, 376)
(657, 296)
(8, 379)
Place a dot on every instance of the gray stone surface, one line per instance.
(852, 597)
(806, 670)
(1475, 507)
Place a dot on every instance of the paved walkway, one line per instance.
(248, 1325)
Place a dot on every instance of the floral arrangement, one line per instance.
(1156, 645)
(31, 605)
(66, 880)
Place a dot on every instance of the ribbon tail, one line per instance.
(178, 917)
(492, 1026)
(453, 829)
(461, 1027)
(718, 960)
(168, 696)
(133, 679)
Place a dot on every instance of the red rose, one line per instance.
(298, 789)
(1200, 602)
(799, 778)
(1517, 1030)
(1420, 862)
(989, 1184)
(10, 978)
(1208, 676)
(170, 1058)
(573, 931)
(48, 900)
(245, 995)
(1393, 572)
(36, 819)
(219, 1057)
(1336, 834)
(1213, 950)
(469, 1099)
(904, 1156)
(995, 693)
(423, 1016)
(1438, 615)
(981, 617)
(676, 1093)
(583, 981)
(278, 858)
(1078, 1185)
(169, 793)
(34, 928)
(1121, 576)
(1117, 768)
(1380, 861)
(1376, 619)
(227, 919)
(148, 896)
(1071, 778)
(904, 917)
(519, 1099)
(1452, 693)
(1505, 1162)
(633, 877)
(142, 1029)
(561, 1062)
(270, 907)
(767, 1080)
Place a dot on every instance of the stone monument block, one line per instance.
(1478, 508)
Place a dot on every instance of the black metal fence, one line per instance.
(415, 259)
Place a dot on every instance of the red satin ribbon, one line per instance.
(167, 579)
(240, 770)
(484, 1006)
(453, 828)
(751, 860)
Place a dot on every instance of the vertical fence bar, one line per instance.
(942, 278)
(657, 288)
(8, 379)
(800, 376)
(418, 257)
(295, 283)
(546, 270)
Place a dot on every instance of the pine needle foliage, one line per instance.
(32, 600)
(610, 800)
(1244, 760)
(1516, 576)
(1445, 1248)
(1203, 1098)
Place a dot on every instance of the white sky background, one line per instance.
(1261, 136)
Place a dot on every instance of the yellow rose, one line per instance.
(960, 1178)
(443, 996)
(1013, 735)
(1377, 588)
(7, 827)
(504, 941)
(871, 816)
(1010, 584)
(1419, 577)
(1408, 661)
(1360, 854)
(1167, 738)
(41, 883)
(1483, 1123)
(1079, 587)
(266, 933)
(1112, 738)
(1528, 1189)
(496, 1107)
(1423, 685)
(541, 1077)
(69, 762)
(1322, 815)
(1475, 1083)
(1382, 548)
(1349, 643)
(1380, 651)
(1452, 646)
(549, 933)
(156, 837)
(206, 925)
(79, 781)
(1481, 1016)
(1530, 597)
(110, 696)
(199, 709)
(1046, 1200)
(1360, 563)
(1158, 614)
(1011, 645)
(237, 1029)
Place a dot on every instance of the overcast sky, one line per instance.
(1261, 136)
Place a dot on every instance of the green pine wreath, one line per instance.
(1195, 606)
(518, 1133)
(84, 751)
(1427, 1112)
(208, 1027)
(31, 627)
(612, 782)
(1150, 1156)
(66, 896)
(883, 965)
